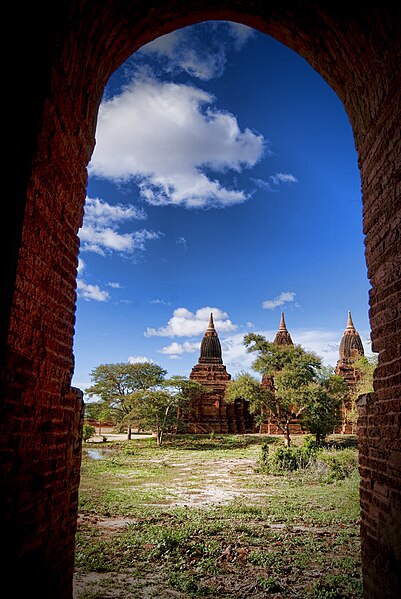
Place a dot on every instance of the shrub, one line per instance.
(325, 464)
(88, 431)
(288, 458)
(338, 464)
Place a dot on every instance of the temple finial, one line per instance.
(211, 323)
(282, 326)
(350, 324)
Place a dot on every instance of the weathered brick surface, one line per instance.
(71, 49)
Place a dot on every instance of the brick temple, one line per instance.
(351, 348)
(211, 413)
(282, 338)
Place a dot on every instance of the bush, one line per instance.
(337, 464)
(288, 458)
(88, 431)
(326, 464)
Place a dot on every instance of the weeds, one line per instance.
(291, 533)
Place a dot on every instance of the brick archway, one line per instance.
(70, 50)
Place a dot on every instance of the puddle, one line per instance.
(97, 454)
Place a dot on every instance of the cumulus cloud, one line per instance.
(185, 323)
(184, 50)
(175, 350)
(91, 292)
(280, 300)
(99, 232)
(170, 140)
(139, 359)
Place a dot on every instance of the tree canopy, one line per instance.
(118, 385)
(295, 385)
(139, 393)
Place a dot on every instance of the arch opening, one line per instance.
(211, 264)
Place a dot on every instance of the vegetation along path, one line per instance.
(203, 516)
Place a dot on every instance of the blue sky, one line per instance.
(224, 179)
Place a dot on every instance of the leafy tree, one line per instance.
(365, 367)
(162, 409)
(88, 431)
(119, 385)
(99, 412)
(323, 409)
(293, 386)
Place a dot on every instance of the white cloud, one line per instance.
(185, 323)
(99, 231)
(274, 181)
(164, 136)
(182, 241)
(102, 214)
(114, 285)
(280, 300)
(160, 301)
(177, 349)
(139, 359)
(283, 178)
(91, 292)
(81, 266)
(184, 50)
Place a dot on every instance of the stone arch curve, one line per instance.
(70, 49)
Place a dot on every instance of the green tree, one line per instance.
(323, 407)
(293, 382)
(119, 385)
(88, 431)
(99, 412)
(162, 409)
(365, 367)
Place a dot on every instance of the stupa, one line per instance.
(282, 338)
(351, 349)
(210, 412)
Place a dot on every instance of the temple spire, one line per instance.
(210, 346)
(282, 326)
(211, 323)
(283, 337)
(351, 346)
(350, 324)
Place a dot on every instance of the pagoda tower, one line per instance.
(351, 349)
(210, 412)
(282, 336)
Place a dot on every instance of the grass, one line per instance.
(197, 517)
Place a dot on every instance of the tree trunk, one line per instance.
(129, 436)
(287, 440)
(159, 437)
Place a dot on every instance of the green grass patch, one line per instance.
(288, 535)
